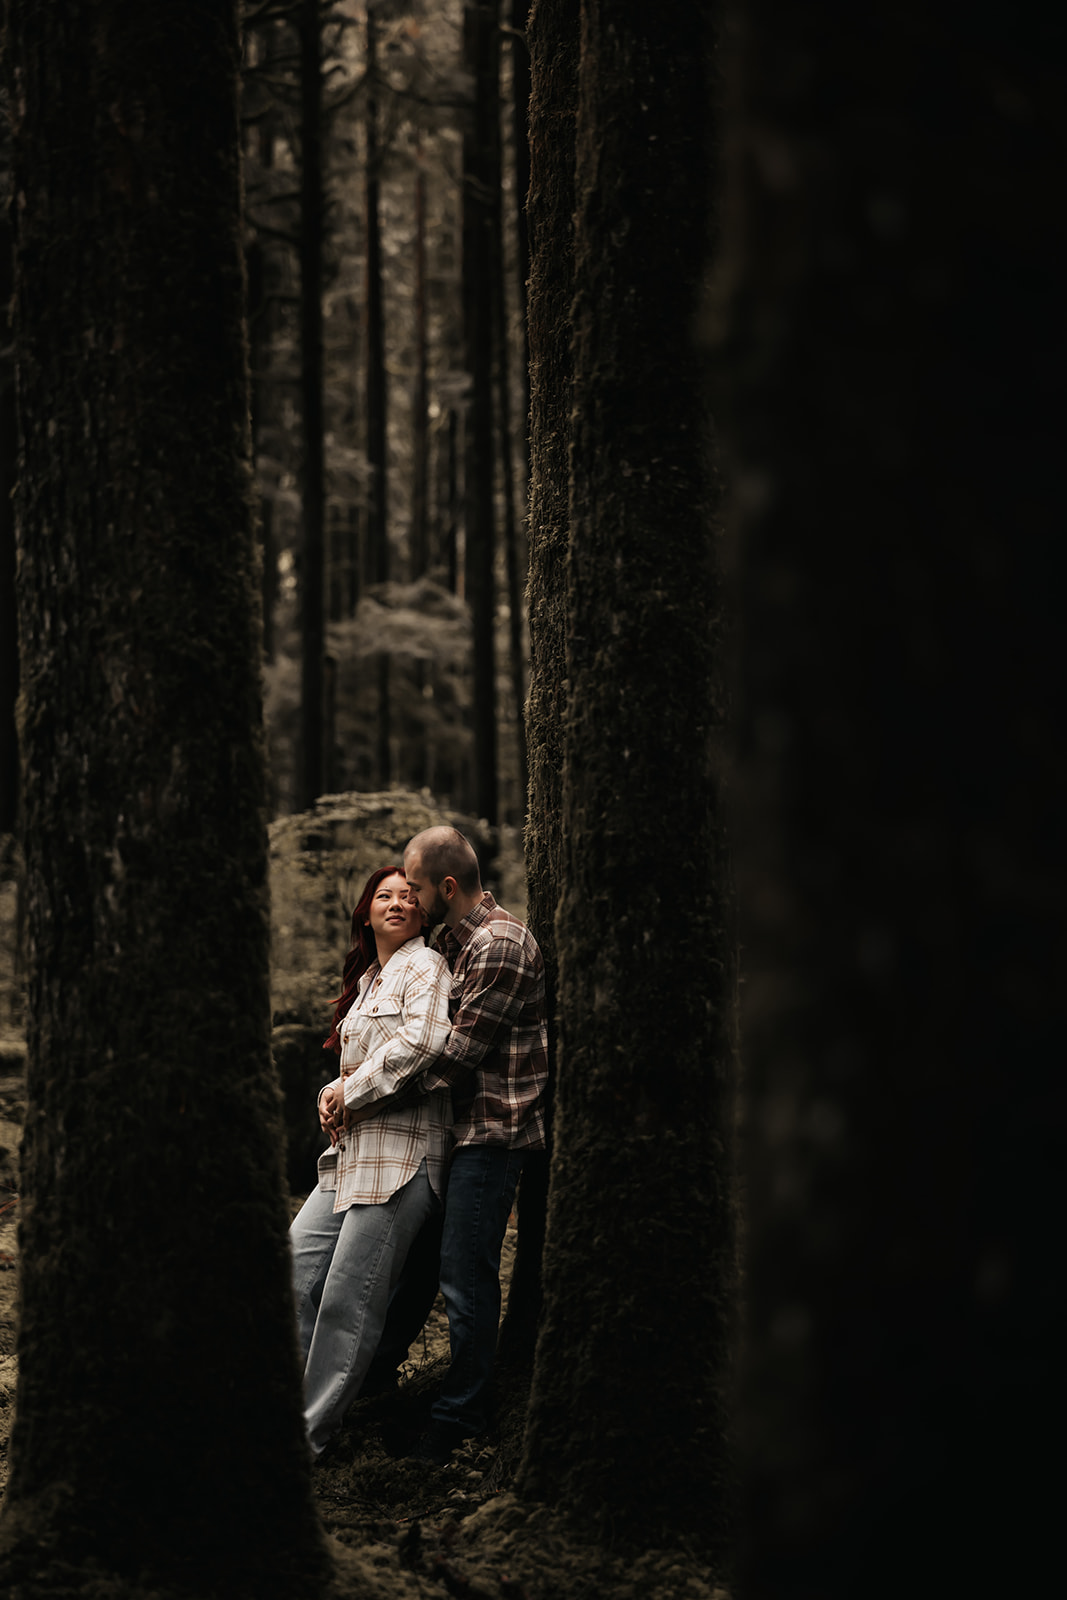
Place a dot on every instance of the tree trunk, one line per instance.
(420, 448)
(448, 499)
(377, 511)
(9, 650)
(553, 36)
(481, 183)
(896, 271)
(627, 1419)
(262, 326)
(158, 1436)
(312, 571)
(520, 104)
(513, 540)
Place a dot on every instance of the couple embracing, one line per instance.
(444, 1063)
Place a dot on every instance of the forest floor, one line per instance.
(397, 1529)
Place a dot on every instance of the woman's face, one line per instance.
(395, 916)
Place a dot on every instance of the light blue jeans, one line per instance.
(344, 1267)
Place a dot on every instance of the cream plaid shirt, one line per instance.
(495, 1060)
(397, 1025)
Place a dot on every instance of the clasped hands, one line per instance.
(334, 1115)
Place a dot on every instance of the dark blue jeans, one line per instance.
(482, 1181)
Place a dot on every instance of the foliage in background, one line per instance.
(397, 643)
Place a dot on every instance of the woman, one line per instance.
(382, 1178)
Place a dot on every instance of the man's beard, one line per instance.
(438, 911)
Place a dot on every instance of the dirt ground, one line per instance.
(397, 1528)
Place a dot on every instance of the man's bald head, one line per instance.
(446, 853)
(442, 869)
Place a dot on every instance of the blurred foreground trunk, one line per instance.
(158, 1437)
(894, 274)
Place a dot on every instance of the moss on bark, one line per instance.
(158, 1430)
(628, 1418)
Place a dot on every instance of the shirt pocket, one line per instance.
(385, 1012)
(374, 1026)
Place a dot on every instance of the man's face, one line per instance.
(428, 894)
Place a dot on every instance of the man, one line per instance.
(495, 1061)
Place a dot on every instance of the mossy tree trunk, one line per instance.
(520, 138)
(481, 186)
(553, 42)
(158, 1434)
(9, 663)
(627, 1419)
(896, 271)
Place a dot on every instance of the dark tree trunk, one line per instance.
(553, 36)
(260, 338)
(312, 569)
(627, 1420)
(517, 545)
(9, 652)
(261, 330)
(416, 769)
(420, 469)
(448, 503)
(377, 511)
(520, 101)
(896, 273)
(514, 544)
(481, 184)
(158, 1437)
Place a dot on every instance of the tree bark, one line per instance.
(481, 183)
(553, 43)
(158, 1437)
(520, 104)
(514, 543)
(262, 275)
(893, 270)
(377, 455)
(627, 1419)
(9, 652)
(420, 405)
(448, 499)
(312, 568)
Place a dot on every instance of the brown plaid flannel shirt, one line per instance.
(495, 1059)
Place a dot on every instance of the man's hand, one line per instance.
(410, 1094)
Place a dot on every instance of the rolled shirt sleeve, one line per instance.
(497, 987)
(496, 1058)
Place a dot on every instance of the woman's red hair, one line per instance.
(362, 952)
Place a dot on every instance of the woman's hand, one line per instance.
(332, 1111)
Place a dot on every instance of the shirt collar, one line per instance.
(468, 926)
(408, 948)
